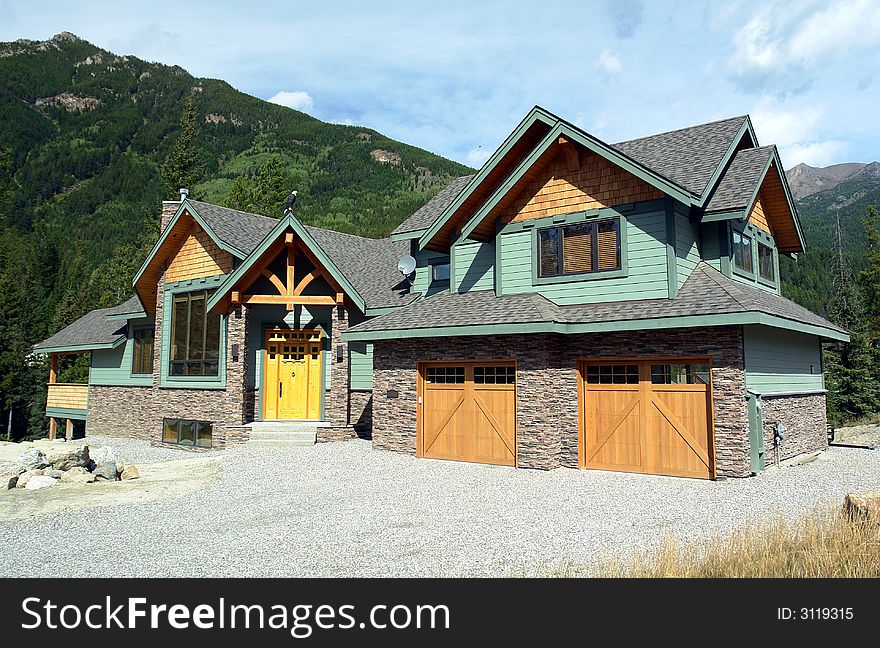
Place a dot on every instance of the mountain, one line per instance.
(805, 180)
(809, 281)
(83, 134)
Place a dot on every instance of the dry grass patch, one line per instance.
(825, 544)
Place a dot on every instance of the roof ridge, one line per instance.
(683, 128)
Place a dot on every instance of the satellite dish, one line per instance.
(406, 265)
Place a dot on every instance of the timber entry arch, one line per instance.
(647, 416)
(467, 411)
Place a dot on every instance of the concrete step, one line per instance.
(286, 434)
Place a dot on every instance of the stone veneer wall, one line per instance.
(360, 413)
(547, 410)
(806, 421)
(138, 411)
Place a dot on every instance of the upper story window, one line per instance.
(579, 248)
(742, 252)
(195, 336)
(440, 272)
(766, 266)
(142, 351)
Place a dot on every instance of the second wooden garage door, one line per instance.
(649, 417)
(468, 412)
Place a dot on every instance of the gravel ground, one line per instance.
(133, 451)
(342, 509)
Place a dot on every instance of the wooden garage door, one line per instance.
(468, 412)
(649, 417)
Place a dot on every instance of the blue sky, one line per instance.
(455, 77)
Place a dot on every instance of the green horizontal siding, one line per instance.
(424, 281)
(646, 263)
(361, 365)
(67, 413)
(782, 361)
(687, 252)
(112, 367)
(474, 267)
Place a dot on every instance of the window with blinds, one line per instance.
(579, 248)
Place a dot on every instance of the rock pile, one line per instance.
(35, 469)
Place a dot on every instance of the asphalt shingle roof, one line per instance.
(741, 179)
(92, 329)
(687, 156)
(240, 230)
(706, 292)
(425, 216)
(130, 306)
(369, 264)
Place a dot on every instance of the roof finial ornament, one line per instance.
(288, 205)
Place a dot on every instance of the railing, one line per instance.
(67, 396)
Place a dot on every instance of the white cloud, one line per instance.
(609, 62)
(784, 44)
(795, 129)
(298, 100)
(477, 157)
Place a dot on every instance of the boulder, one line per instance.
(71, 477)
(105, 471)
(40, 481)
(32, 459)
(77, 470)
(8, 481)
(67, 458)
(129, 472)
(26, 476)
(51, 472)
(104, 454)
(862, 506)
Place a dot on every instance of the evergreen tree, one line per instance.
(240, 196)
(181, 168)
(869, 283)
(265, 193)
(852, 391)
(272, 188)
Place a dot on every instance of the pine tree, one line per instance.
(181, 168)
(273, 187)
(240, 196)
(852, 391)
(869, 283)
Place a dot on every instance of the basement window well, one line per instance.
(187, 432)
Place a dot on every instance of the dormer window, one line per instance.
(766, 266)
(579, 248)
(742, 252)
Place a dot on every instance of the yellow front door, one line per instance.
(292, 375)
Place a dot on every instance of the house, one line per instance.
(574, 303)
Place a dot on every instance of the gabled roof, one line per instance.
(707, 298)
(741, 181)
(94, 330)
(684, 163)
(425, 216)
(690, 156)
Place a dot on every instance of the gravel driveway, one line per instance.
(342, 509)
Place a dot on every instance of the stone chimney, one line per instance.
(169, 208)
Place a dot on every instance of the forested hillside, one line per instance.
(809, 281)
(83, 136)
